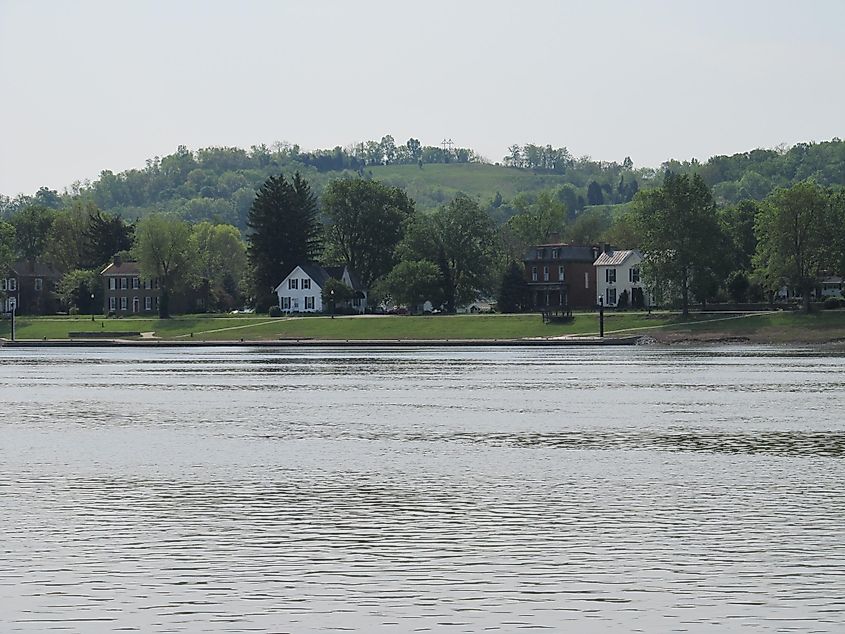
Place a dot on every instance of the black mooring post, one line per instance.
(601, 316)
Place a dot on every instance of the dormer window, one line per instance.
(554, 254)
(539, 254)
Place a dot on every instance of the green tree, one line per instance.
(284, 232)
(795, 229)
(513, 290)
(412, 283)
(365, 223)
(32, 229)
(164, 250)
(221, 260)
(737, 222)
(7, 245)
(459, 239)
(679, 233)
(536, 221)
(589, 226)
(335, 292)
(76, 287)
(105, 236)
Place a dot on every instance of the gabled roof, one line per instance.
(125, 267)
(613, 258)
(320, 275)
(32, 268)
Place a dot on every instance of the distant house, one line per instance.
(831, 286)
(561, 275)
(301, 290)
(29, 287)
(126, 292)
(618, 272)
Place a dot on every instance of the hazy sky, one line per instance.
(92, 85)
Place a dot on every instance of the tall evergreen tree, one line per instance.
(513, 290)
(284, 232)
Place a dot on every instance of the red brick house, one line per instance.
(29, 287)
(561, 275)
(125, 292)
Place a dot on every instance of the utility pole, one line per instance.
(601, 316)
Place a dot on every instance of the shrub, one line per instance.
(832, 302)
(275, 311)
(73, 311)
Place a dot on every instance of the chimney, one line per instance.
(117, 259)
(606, 248)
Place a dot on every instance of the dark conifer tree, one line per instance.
(284, 232)
(513, 291)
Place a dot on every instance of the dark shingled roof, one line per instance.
(29, 268)
(566, 252)
(124, 268)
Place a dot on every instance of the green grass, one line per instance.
(474, 179)
(257, 327)
(769, 327)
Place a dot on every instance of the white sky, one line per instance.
(90, 85)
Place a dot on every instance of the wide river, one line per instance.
(410, 490)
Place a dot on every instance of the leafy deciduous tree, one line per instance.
(795, 229)
(366, 222)
(679, 233)
(164, 250)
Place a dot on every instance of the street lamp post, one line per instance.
(331, 294)
(601, 316)
(92, 306)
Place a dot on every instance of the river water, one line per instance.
(410, 490)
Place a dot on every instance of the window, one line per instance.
(545, 273)
(112, 304)
(306, 283)
(112, 283)
(285, 303)
(561, 273)
(148, 284)
(554, 254)
(3, 284)
(148, 303)
(136, 283)
(39, 283)
(12, 303)
(13, 284)
(295, 303)
(123, 283)
(533, 273)
(309, 302)
(610, 276)
(293, 283)
(586, 280)
(611, 297)
(539, 254)
(123, 303)
(634, 275)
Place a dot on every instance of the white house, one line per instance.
(301, 291)
(617, 272)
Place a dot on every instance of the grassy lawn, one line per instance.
(667, 327)
(254, 327)
(776, 327)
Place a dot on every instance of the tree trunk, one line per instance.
(685, 296)
(805, 293)
(164, 303)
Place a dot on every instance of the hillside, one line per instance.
(219, 184)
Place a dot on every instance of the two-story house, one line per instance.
(29, 288)
(618, 275)
(561, 275)
(125, 292)
(301, 290)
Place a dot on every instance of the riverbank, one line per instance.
(620, 329)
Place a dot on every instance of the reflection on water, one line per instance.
(415, 490)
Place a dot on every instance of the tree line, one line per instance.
(218, 184)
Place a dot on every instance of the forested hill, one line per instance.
(219, 184)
